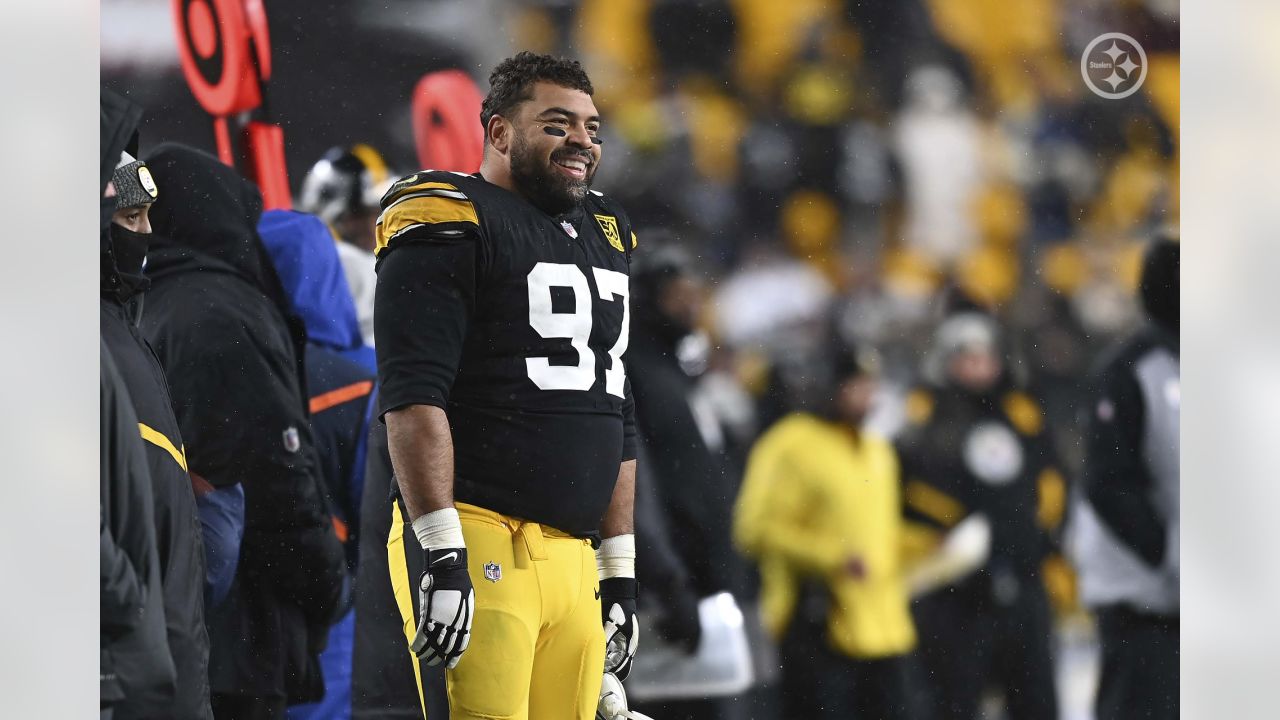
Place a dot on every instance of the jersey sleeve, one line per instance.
(423, 305)
(424, 206)
(428, 247)
(933, 499)
(770, 516)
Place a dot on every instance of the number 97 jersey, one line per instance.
(516, 323)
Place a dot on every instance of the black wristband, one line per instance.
(620, 587)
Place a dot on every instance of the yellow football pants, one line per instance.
(537, 643)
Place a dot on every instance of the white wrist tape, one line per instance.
(617, 557)
(439, 529)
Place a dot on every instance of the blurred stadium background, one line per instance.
(878, 157)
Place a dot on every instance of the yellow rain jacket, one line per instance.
(815, 496)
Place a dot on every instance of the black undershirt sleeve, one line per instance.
(424, 301)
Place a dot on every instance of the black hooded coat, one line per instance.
(135, 660)
(221, 325)
(177, 526)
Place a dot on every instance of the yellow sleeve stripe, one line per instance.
(634, 243)
(1024, 413)
(421, 208)
(1052, 498)
(157, 438)
(933, 503)
(409, 189)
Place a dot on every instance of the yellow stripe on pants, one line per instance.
(404, 592)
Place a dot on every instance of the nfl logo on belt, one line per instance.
(492, 572)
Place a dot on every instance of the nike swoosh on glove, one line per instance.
(447, 602)
(621, 626)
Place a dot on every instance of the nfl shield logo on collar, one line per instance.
(568, 227)
(492, 572)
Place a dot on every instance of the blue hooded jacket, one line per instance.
(305, 255)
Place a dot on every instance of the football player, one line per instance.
(502, 320)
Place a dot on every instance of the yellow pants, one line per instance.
(537, 643)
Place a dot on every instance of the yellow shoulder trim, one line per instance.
(157, 438)
(424, 204)
(919, 406)
(1024, 412)
(933, 503)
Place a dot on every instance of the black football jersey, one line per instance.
(516, 323)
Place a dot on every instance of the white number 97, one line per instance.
(576, 327)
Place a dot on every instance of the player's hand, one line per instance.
(621, 626)
(447, 602)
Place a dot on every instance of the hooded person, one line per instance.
(341, 371)
(983, 492)
(222, 327)
(687, 474)
(128, 192)
(1124, 534)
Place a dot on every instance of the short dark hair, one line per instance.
(511, 83)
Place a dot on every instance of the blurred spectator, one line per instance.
(130, 191)
(976, 445)
(340, 381)
(684, 445)
(222, 327)
(1125, 532)
(770, 300)
(343, 189)
(820, 511)
(135, 661)
(660, 566)
(936, 138)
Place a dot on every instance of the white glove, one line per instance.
(447, 602)
(613, 701)
(446, 599)
(616, 562)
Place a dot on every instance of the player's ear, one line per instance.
(498, 133)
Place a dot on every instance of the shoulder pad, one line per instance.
(919, 406)
(425, 203)
(1023, 412)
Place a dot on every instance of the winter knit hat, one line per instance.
(133, 183)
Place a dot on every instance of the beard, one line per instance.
(549, 190)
